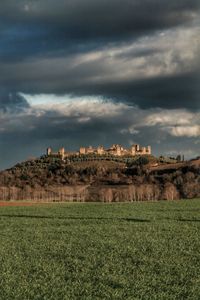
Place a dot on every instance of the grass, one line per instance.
(101, 251)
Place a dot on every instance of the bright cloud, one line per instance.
(170, 117)
(128, 120)
(82, 107)
(187, 131)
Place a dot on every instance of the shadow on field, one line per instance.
(76, 218)
(134, 220)
(188, 220)
(176, 210)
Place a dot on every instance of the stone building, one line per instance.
(115, 149)
(100, 150)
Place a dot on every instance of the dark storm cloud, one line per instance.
(167, 91)
(39, 39)
(12, 102)
(44, 27)
(140, 53)
(176, 91)
(98, 18)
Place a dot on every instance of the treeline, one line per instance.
(54, 180)
(109, 193)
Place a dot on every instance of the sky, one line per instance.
(88, 72)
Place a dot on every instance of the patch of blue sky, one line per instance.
(18, 41)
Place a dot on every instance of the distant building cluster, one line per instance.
(116, 150)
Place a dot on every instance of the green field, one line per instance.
(101, 251)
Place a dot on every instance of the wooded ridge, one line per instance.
(100, 179)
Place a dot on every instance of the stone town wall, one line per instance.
(115, 149)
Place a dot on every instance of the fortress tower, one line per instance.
(49, 151)
(61, 152)
(118, 150)
(137, 148)
(82, 150)
(100, 150)
(148, 149)
(133, 150)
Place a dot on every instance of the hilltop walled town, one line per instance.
(116, 150)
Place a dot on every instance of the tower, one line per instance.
(61, 152)
(49, 151)
(100, 150)
(148, 149)
(118, 150)
(137, 147)
(133, 150)
(82, 150)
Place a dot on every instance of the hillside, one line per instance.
(105, 179)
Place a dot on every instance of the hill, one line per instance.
(89, 178)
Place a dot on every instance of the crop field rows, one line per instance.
(147, 250)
